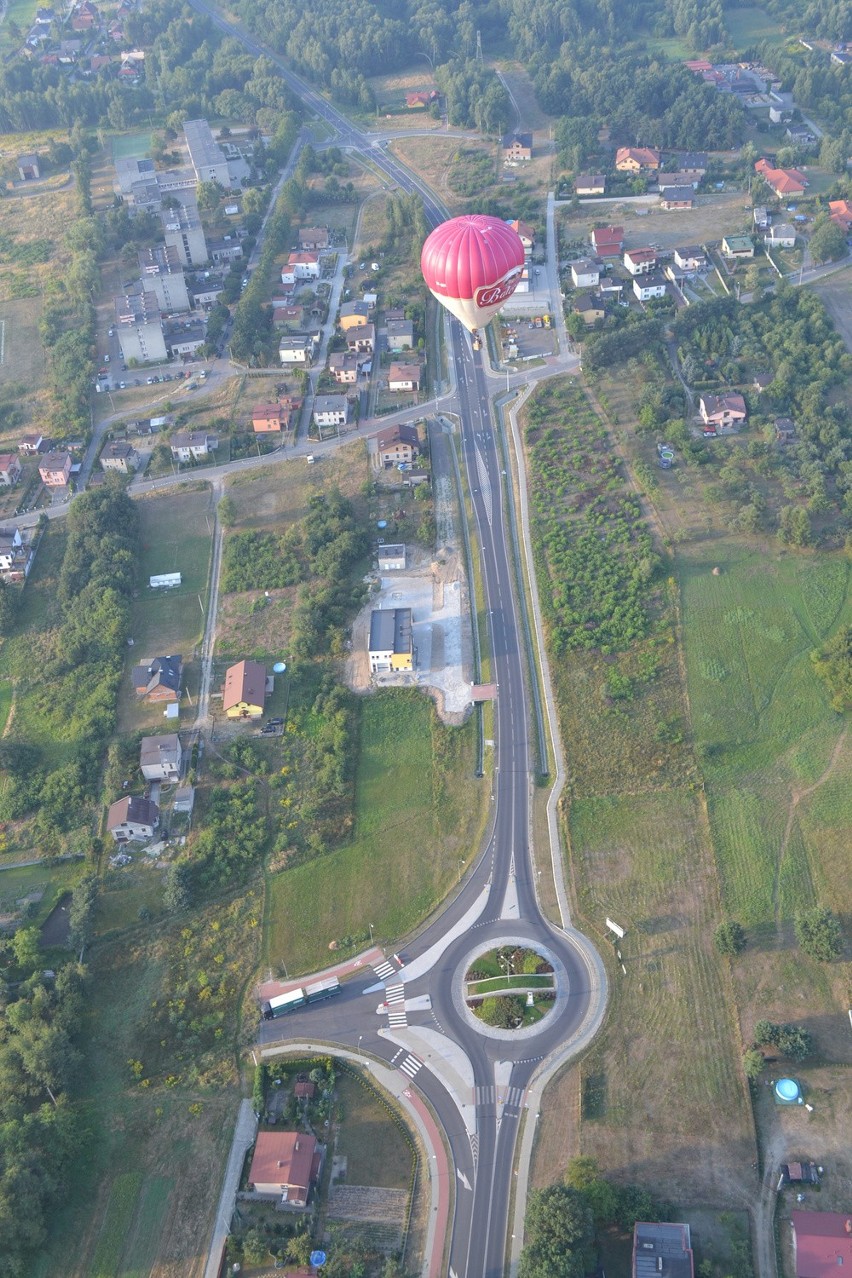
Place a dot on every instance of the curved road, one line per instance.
(475, 1081)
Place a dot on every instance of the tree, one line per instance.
(833, 664)
(791, 1040)
(818, 933)
(828, 243)
(255, 1247)
(82, 911)
(26, 949)
(584, 1175)
(560, 1234)
(176, 891)
(208, 195)
(753, 1063)
(503, 1011)
(730, 939)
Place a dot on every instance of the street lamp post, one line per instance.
(371, 933)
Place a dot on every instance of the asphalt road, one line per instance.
(501, 1065)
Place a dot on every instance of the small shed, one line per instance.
(184, 799)
(28, 168)
(391, 558)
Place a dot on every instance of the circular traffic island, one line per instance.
(510, 987)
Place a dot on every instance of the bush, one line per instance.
(791, 1040)
(818, 933)
(730, 939)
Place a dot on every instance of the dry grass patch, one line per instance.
(836, 293)
(279, 495)
(432, 158)
(656, 226)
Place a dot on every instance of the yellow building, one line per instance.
(391, 640)
(245, 690)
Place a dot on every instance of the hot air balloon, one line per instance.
(472, 265)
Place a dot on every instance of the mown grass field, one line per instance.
(419, 810)
(371, 1140)
(752, 25)
(778, 766)
(176, 535)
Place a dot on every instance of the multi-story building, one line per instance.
(139, 326)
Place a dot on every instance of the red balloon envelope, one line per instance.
(472, 265)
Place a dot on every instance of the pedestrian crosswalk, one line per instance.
(395, 993)
(489, 1095)
(397, 1020)
(384, 970)
(411, 1065)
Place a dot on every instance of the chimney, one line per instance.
(280, 1164)
(296, 1146)
(848, 1225)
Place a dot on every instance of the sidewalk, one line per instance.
(244, 1134)
(348, 967)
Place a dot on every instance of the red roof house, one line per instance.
(822, 1243)
(841, 213)
(608, 241)
(285, 1164)
(782, 181)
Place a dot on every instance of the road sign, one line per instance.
(613, 927)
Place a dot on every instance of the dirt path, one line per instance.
(795, 799)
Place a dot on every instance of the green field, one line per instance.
(131, 146)
(122, 1205)
(31, 880)
(5, 703)
(20, 11)
(419, 811)
(752, 25)
(761, 718)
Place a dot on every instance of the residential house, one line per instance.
(404, 377)
(291, 407)
(637, 159)
(331, 410)
(55, 469)
(525, 233)
(159, 680)
(345, 367)
(590, 308)
(185, 339)
(800, 135)
(695, 161)
(400, 335)
(84, 17)
(362, 339)
(313, 237)
(304, 1089)
(677, 197)
(785, 430)
(131, 819)
(244, 690)
(15, 555)
(585, 274)
(160, 758)
(692, 258)
(397, 444)
(288, 316)
(28, 167)
(391, 557)
(419, 99)
(779, 113)
(300, 266)
(841, 213)
(590, 184)
(649, 286)
(29, 445)
(725, 412)
(662, 1251)
(608, 241)
(10, 470)
(737, 246)
(120, 456)
(639, 261)
(841, 57)
(761, 381)
(783, 182)
(394, 313)
(610, 287)
(267, 419)
(760, 217)
(296, 349)
(192, 445)
(353, 315)
(517, 146)
(781, 236)
(391, 640)
(285, 1165)
(680, 177)
(822, 1243)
